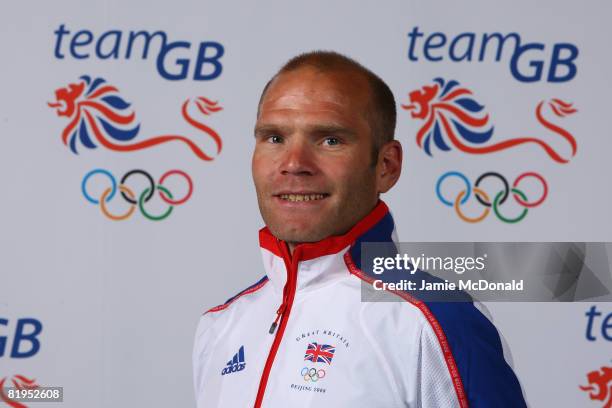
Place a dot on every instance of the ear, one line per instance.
(389, 165)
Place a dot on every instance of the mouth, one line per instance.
(414, 108)
(60, 105)
(301, 197)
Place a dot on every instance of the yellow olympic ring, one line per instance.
(499, 198)
(105, 211)
(463, 216)
(312, 374)
(133, 199)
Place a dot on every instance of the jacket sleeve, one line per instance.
(201, 353)
(436, 382)
(486, 377)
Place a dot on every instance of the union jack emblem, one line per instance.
(319, 353)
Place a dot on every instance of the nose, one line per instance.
(298, 159)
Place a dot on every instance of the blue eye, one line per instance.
(275, 139)
(332, 141)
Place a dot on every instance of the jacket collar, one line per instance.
(321, 262)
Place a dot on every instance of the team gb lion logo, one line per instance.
(454, 119)
(99, 116)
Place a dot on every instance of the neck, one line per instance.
(292, 246)
(289, 250)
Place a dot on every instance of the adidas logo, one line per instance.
(236, 364)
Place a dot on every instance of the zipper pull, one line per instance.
(279, 313)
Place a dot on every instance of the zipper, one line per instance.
(279, 313)
(282, 315)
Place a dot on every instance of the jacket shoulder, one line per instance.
(251, 289)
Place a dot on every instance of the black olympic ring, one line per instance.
(136, 200)
(149, 178)
(484, 176)
(491, 202)
(312, 374)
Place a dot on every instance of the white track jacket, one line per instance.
(302, 337)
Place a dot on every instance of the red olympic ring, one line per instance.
(189, 191)
(312, 374)
(535, 203)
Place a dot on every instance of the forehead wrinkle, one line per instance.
(302, 117)
(316, 86)
(294, 96)
(302, 101)
(329, 127)
(289, 119)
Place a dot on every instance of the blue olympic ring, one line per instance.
(98, 171)
(461, 176)
(136, 200)
(494, 201)
(312, 374)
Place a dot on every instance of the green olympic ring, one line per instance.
(164, 215)
(506, 219)
(312, 374)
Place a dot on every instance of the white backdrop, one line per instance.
(119, 300)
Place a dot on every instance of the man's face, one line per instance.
(312, 163)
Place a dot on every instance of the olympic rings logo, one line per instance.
(312, 374)
(499, 198)
(132, 199)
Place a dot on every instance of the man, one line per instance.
(301, 336)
